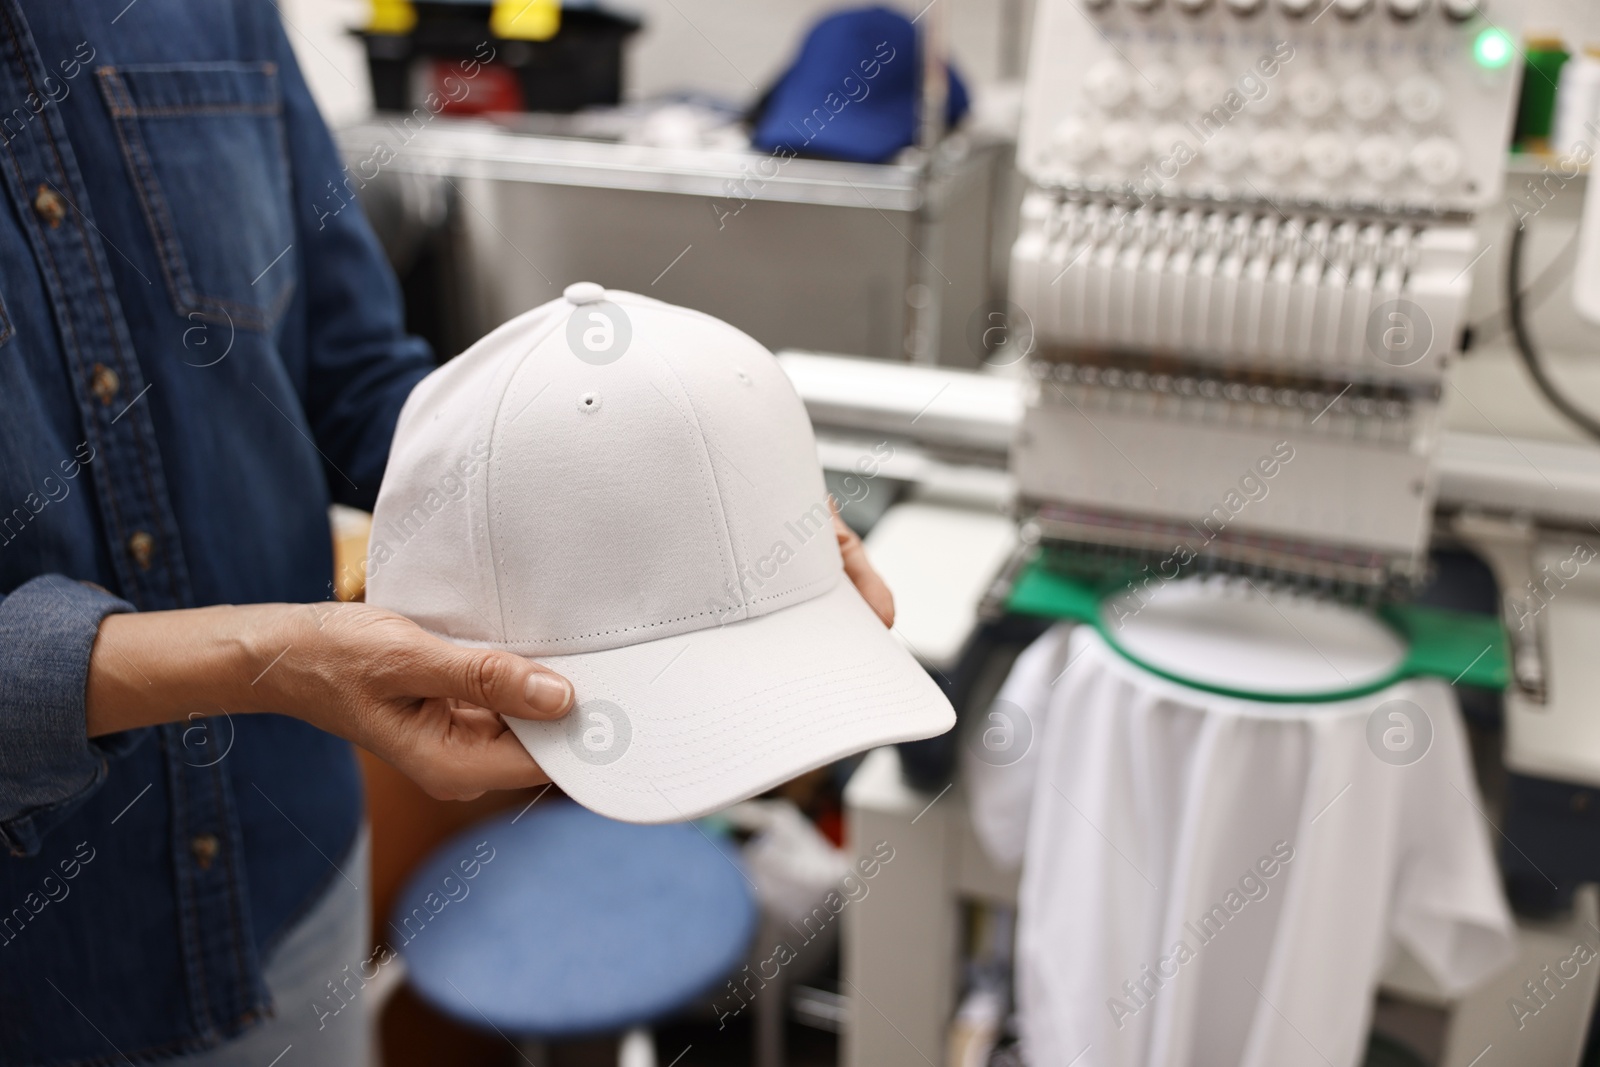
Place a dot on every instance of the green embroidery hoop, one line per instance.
(1462, 648)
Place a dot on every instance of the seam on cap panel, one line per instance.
(681, 618)
(741, 552)
(518, 647)
(783, 377)
(490, 518)
(710, 468)
(641, 300)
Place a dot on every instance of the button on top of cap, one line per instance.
(584, 293)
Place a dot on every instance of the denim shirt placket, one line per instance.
(224, 987)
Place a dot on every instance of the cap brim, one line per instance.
(674, 729)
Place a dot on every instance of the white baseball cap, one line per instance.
(628, 492)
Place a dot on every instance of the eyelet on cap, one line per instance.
(584, 293)
(589, 402)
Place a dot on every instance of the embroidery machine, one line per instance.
(1211, 268)
(1245, 258)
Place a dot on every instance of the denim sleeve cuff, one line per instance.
(48, 763)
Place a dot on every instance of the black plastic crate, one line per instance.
(581, 66)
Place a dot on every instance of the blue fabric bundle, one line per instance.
(852, 93)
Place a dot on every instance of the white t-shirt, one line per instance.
(1216, 882)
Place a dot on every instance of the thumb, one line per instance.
(504, 683)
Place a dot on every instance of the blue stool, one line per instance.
(557, 923)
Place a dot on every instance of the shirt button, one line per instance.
(205, 848)
(49, 206)
(142, 546)
(104, 383)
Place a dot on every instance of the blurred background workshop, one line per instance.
(1217, 387)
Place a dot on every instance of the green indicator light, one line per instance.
(1493, 48)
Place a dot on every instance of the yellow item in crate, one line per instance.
(525, 20)
(392, 16)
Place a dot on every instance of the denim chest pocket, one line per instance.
(206, 148)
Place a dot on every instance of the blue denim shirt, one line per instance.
(195, 359)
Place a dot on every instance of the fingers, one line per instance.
(504, 683)
(430, 708)
(503, 764)
(859, 570)
(457, 753)
(500, 764)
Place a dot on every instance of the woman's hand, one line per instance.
(430, 708)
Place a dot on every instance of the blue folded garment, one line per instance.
(852, 93)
